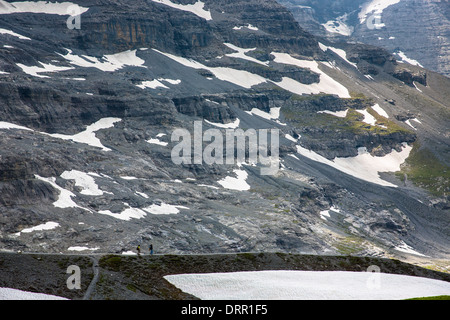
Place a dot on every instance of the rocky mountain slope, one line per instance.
(87, 118)
(416, 31)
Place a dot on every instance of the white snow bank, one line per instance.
(157, 141)
(380, 111)
(403, 247)
(340, 52)
(326, 85)
(325, 214)
(48, 7)
(45, 226)
(273, 115)
(307, 285)
(154, 84)
(127, 214)
(238, 183)
(79, 248)
(375, 7)
(83, 180)
(240, 78)
(364, 166)
(136, 213)
(196, 8)
(232, 125)
(65, 196)
(14, 294)
(248, 26)
(107, 63)
(157, 83)
(164, 208)
(405, 59)
(9, 126)
(241, 53)
(368, 118)
(88, 136)
(339, 114)
(12, 33)
(44, 68)
(247, 79)
(339, 26)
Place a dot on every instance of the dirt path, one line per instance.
(94, 280)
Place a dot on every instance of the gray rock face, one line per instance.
(418, 29)
(90, 147)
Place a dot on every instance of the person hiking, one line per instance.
(150, 248)
(138, 250)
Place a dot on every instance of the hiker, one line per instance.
(150, 248)
(139, 250)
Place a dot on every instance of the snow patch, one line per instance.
(403, 247)
(241, 53)
(405, 59)
(364, 166)
(88, 136)
(65, 196)
(326, 85)
(368, 118)
(375, 7)
(58, 8)
(157, 83)
(107, 63)
(197, 8)
(78, 248)
(9, 126)
(238, 183)
(380, 111)
(158, 142)
(12, 33)
(83, 180)
(339, 26)
(232, 125)
(240, 78)
(14, 294)
(248, 26)
(42, 227)
(339, 114)
(273, 115)
(164, 208)
(306, 285)
(127, 214)
(44, 68)
(340, 52)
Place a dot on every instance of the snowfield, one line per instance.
(88, 135)
(239, 183)
(12, 33)
(196, 8)
(14, 294)
(307, 285)
(376, 7)
(47, 7)
(364, 166)
(108, 63)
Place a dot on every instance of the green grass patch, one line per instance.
(432, 298)
(425, 170)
